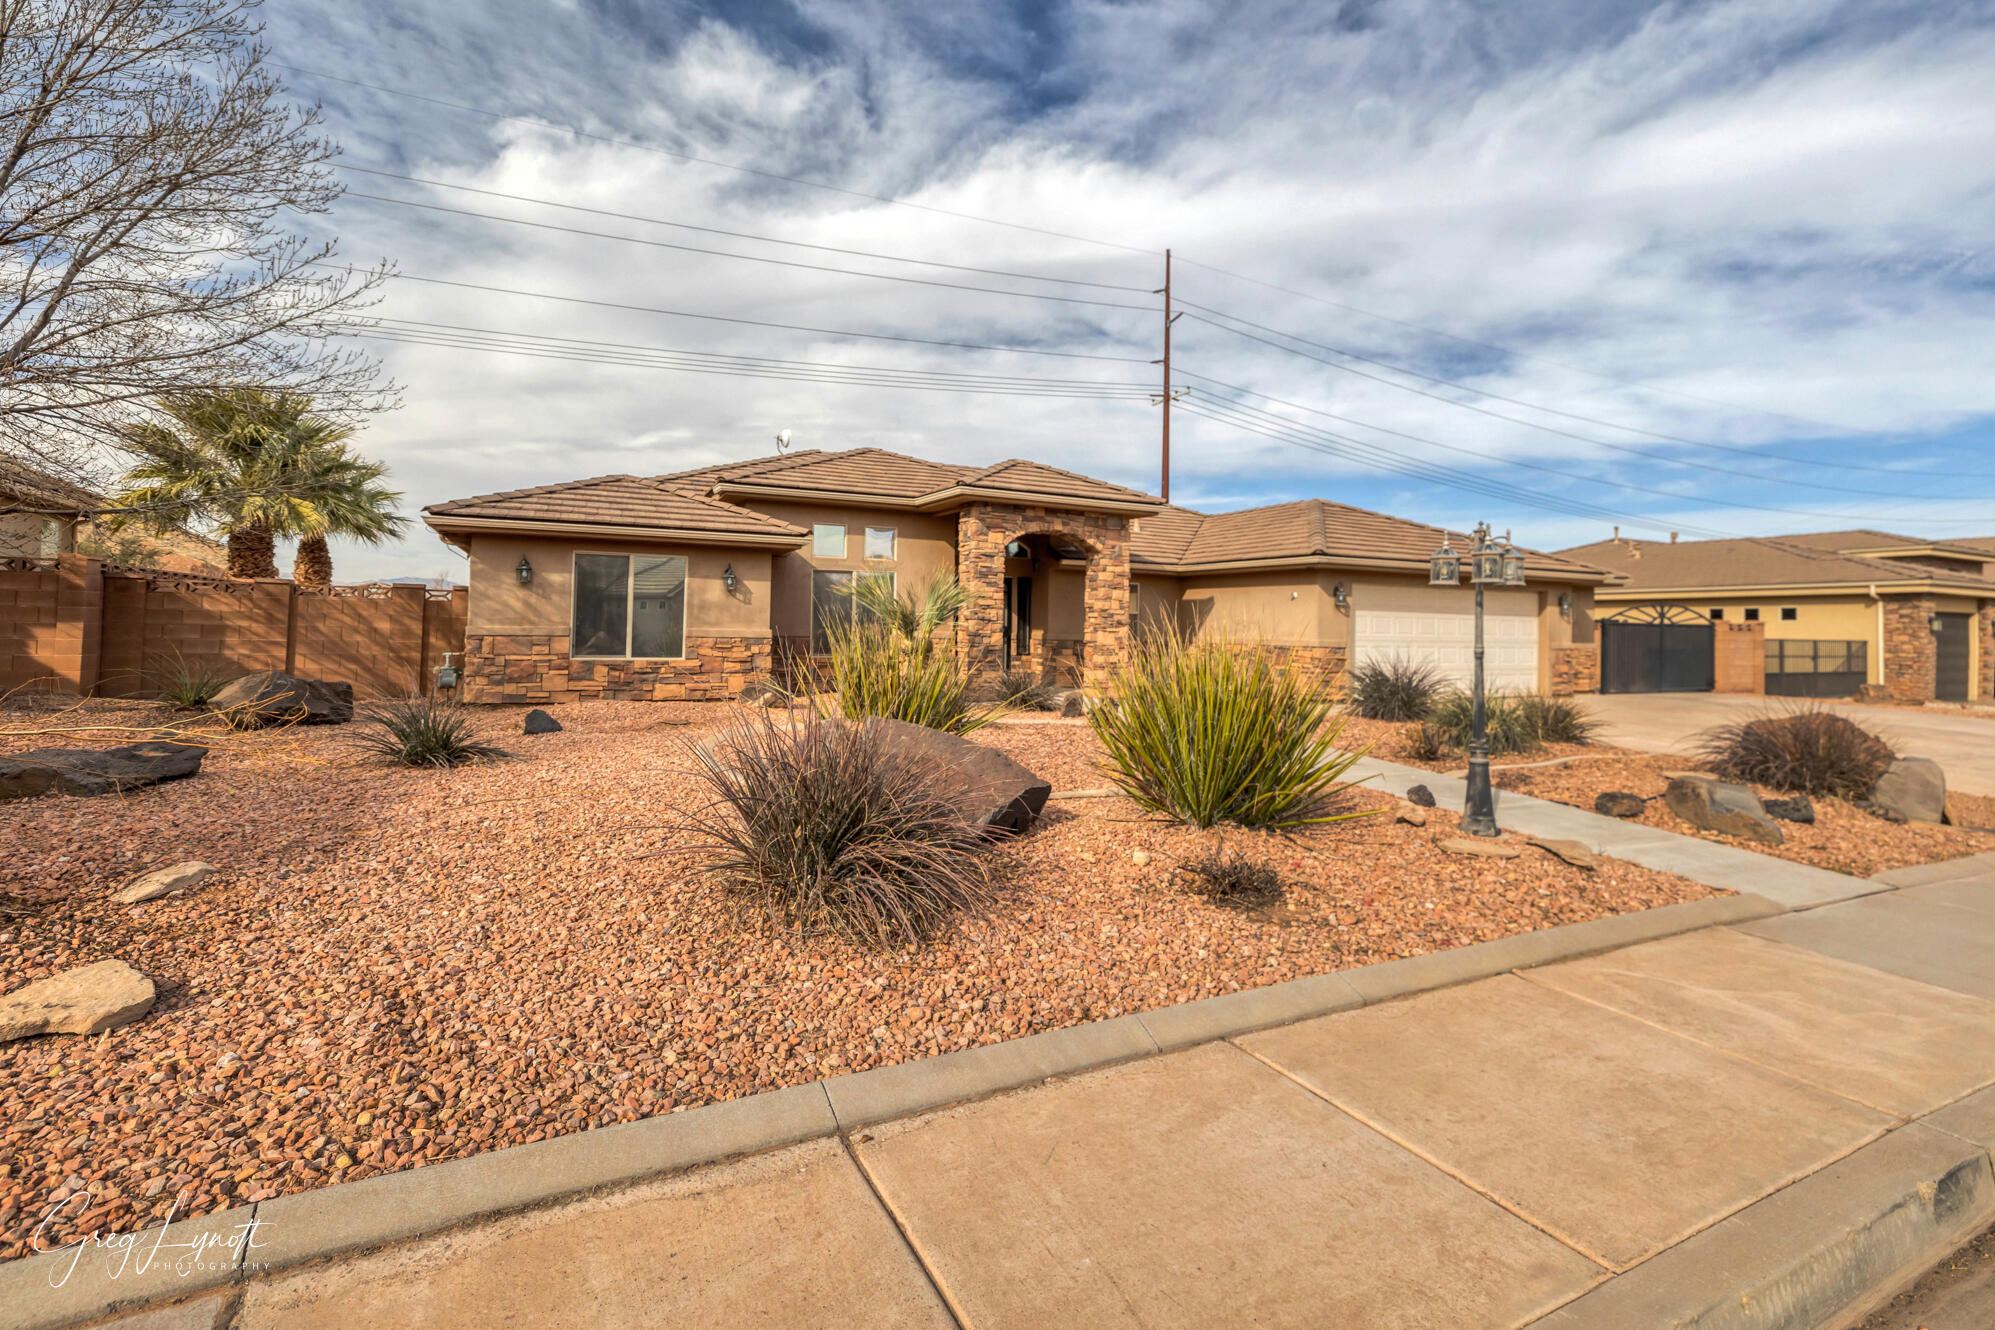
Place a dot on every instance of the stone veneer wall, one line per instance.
(982, 532)
(1327, 663)
(1910, 652)
(1985, 622)
(537, 669)
(1738, 663)
(1575, 669)
(1062, 660)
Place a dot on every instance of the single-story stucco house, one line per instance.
(689, 585)
(1843, 613)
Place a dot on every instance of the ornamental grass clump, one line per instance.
(1233, 880)
(189, 685)
(1023, 690)
(1212, 732)
(1396, 689)
(423, 732)
(886, 661)
(1514, 722)
(1809, 751)
(828, 827)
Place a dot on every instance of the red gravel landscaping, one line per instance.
(397, 967)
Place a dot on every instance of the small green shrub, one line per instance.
(827, 827)
(189, 685)
(1397, 689)
(875, 672)
(1809, 750)
(1213, 732)
(1023, 690)
(1515, 722)
(1557, 720)
(423, 732)
(1233, 880)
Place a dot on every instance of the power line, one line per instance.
(759, 323)
(1635, 384)
(751, 258)
(1532, 466)
(722, 231)
(705, 161)
(1532, 424)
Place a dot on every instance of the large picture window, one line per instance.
(629, 605)
(832, 603)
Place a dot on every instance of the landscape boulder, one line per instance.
(86, 1000)
(539, 722)
(1620, 803)
(1800, 808)
(160, 881)
(1420, 797)
(1486, 847)
(1573, 852)
(993, 790)
(1914, 788)
(1719, 805)
(272, 697)
(87, 771)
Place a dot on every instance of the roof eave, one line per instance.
(446, 525)
(1333, 561)
(949, 496)
(1880, 586)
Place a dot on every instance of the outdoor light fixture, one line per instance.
(1565, 604)
(1489, 565)
(524, 571)
(1485, 561)
(1513, 564)
(1933, 622)
(1445, 568)
(1341, 594)
(728, 579)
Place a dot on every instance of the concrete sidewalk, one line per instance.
(1773, 1123)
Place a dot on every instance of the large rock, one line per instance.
(1620, 803)
(87, 1000)
(1719, 805)
(160, 881)
(1914, 788)
(996, 791)
(539, 722)
(1420, 796)
(273, 697)
(84, 771)
(1800, 808)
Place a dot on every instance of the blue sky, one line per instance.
(1742, 251)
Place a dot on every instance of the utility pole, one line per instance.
(1166, 396)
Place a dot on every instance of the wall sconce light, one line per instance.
(728, 579)
(1565, 604)
(1341, 596)
(1933, 623)
(524, 571)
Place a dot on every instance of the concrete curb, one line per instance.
(1819, 1252)
(1947, 870)
(395, 1207)
(163, 1266)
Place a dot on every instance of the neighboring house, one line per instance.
(1840, 611)
(42, 516)
(689, 585)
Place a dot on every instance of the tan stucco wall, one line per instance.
(499, 604)
(924, 545)
(1156, 602)
(1829, 618)
(32, 536)
(1280, 608)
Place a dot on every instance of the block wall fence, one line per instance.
(78, 625)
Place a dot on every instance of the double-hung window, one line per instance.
(629, 606)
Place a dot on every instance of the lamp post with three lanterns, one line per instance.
(1490, 564)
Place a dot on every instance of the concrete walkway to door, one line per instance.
(1960, 739)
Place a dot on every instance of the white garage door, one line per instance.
(1445, 639)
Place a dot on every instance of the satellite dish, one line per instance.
(782, 439)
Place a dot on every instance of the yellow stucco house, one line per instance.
(1841, 613)
(691, 584)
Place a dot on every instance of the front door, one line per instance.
(1951, 655)
(1017, 621)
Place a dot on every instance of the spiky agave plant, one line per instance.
(1214, 731)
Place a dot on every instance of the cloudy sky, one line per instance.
(1721, 268)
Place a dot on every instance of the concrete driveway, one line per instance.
(1962, 742)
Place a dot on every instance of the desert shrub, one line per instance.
(189, 685)
(1427, 743)
(1556, 720)
(876, 672)
(1397, 689)
(1810, 750)
(1212, 731)
(1023, 690)
(1233, 880)
(828, 827)
(423, 732)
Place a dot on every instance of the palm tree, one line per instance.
(258, 465)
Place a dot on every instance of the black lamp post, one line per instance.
(1490, 564)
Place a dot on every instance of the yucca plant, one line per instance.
(1023, 690)
(423, 732)
(913, 616)
(1214, 731)
(1557, 720)
(188, 685)
(831, 828)
(1396, 689)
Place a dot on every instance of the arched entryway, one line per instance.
(1048, 592)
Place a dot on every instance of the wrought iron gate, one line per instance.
(1657, 649)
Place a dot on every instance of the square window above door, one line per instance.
(827, 540)
(879, 542)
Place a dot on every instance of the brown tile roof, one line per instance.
(1038, 478)
(1849, 542)
(1754, 562)
(1308, 528)
(629, 501)
(852, 471)
(33, 488)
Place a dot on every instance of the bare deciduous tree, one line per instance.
(150, 167)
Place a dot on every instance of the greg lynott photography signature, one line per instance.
(149, 1249)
